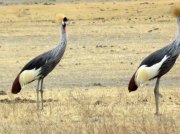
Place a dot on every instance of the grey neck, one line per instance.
(58, 51)
(178, 29)
(63, 36)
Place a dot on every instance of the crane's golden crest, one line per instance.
(59, 18)
(175, 11)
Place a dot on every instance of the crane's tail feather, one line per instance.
(16, 87)
(132, 84)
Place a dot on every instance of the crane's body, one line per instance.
(156, 65)
(41, 66)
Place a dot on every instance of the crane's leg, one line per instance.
(37, 92)
(41, 90)
(157, 95)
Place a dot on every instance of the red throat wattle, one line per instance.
(65, 30)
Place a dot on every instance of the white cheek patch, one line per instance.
(145, 73)
(28, 76)
(65, 22)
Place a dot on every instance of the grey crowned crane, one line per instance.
(157, 64)
(39, 67)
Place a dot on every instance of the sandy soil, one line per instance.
(87, 92)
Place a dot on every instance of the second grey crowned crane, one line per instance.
(157, 64)
(39, 67)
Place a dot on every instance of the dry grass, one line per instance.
(87, 92)
(91, 111)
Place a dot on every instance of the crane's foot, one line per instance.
(157, 114)
(41, 108)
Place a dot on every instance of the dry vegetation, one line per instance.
(87, 92)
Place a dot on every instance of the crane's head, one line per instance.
(65, 21)
(62, 20)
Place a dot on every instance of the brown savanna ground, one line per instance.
(87, 92)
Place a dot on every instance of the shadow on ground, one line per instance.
(20, 100)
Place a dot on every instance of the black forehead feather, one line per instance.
(65, 19)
